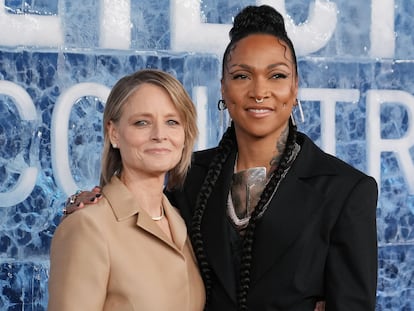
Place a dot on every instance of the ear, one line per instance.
(112, 132)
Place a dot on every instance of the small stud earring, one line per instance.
(115, 146)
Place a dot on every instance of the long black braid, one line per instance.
(247, 251)
(225, 147)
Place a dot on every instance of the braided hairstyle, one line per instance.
(247, 253)
(225, 147)
(251, 20)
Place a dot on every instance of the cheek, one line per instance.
(231, 109)
(130, 139)
(179, 139)
(230, 91)
(287, 97)
(284, 89)
(233, 101)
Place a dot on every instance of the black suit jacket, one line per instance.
(317, 239)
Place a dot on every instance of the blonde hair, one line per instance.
(119, 95)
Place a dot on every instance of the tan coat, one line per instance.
(113, 256)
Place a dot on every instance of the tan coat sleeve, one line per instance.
(79, 265)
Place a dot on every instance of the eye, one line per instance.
(173, 122)
(279, 75)
(141, 123)
(239, 76)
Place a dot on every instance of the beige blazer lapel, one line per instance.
(177, 224)
(125, 206)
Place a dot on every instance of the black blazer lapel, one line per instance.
(282, 223)
(290, 210)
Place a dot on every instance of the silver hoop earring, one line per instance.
(293, 119)
(302, 116)
(221, 105)
(298, 106)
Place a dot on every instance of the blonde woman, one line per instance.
(130, 251)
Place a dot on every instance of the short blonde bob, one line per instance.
(119, 95)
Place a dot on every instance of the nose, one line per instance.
(158, 133)
(260, 90)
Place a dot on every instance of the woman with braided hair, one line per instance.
(275, 222)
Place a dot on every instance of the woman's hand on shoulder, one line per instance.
(81, 198)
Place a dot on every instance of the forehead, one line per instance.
(149, 96)
(147, 92)
(260, 46)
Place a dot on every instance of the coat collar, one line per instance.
(312, 161)
(124, 206)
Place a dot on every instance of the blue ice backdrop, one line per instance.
(59, 59)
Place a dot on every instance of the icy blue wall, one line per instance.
(58, 60)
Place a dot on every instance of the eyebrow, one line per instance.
(146, 114)
(271, 66)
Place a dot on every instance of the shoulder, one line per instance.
(88, 217)
(314, 165)
(204, 157)
(200, 164)
(80, 232)
(319, 162)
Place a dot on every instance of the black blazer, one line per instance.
(316, 240)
